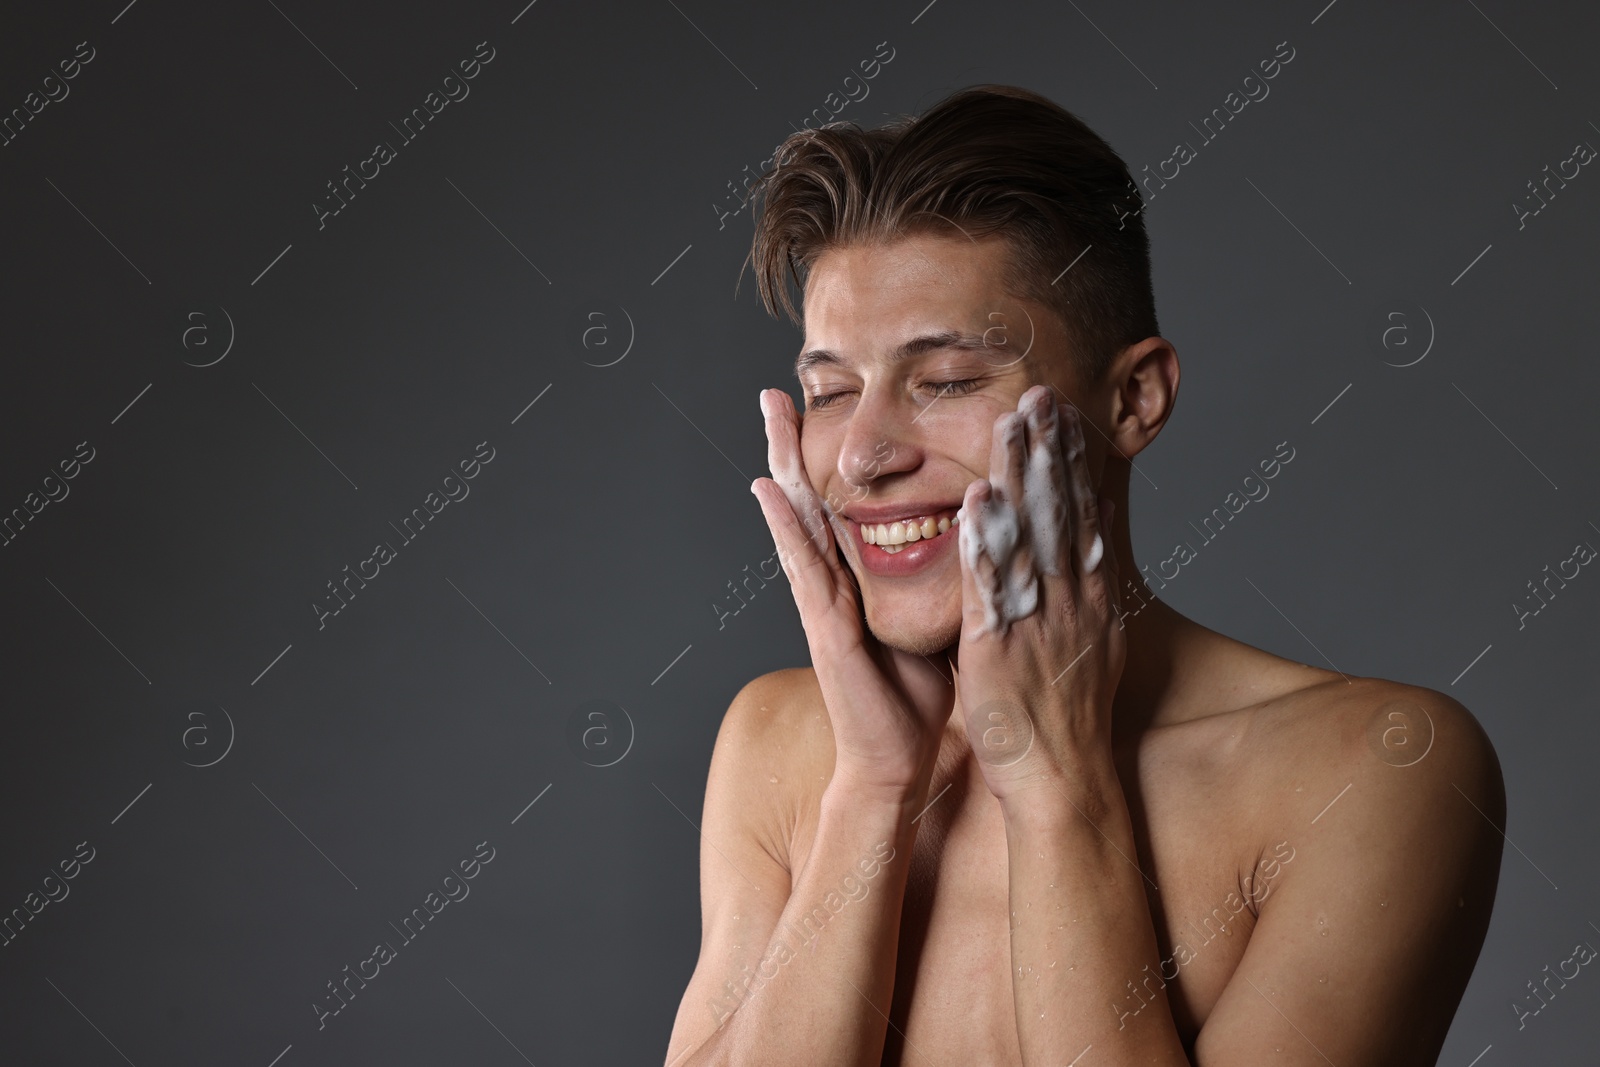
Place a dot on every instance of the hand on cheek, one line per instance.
(1041, 643)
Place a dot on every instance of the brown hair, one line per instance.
(988, 159)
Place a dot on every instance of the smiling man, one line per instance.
(1019, 810)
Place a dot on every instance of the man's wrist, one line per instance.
(1090, 790)
(855, 793)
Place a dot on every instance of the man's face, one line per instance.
(886, 438)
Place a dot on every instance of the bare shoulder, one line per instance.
(775, 747)
(781, 709)
(1359, 727)
(1387, 803)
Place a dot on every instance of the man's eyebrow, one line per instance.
(915, 347)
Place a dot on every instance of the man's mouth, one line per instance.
(893, 537)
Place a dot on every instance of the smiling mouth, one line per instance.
(893, 537)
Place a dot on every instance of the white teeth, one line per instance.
(893, 537)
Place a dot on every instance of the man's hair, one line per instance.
(986, 160)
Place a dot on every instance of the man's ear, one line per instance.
(1143, 380)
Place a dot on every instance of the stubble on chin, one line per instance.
(918, 638)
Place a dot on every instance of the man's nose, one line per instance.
(876, 442)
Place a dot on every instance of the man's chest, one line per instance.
(1198, 843)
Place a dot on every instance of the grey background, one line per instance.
(587, 173)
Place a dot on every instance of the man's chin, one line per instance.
(917, 640)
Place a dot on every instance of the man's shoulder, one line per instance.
(1401, 759)
(774, 756)
(777, 700)
(780, 717)
(1345, 721)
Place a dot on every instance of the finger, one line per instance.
(1045, 484)
(810, 578)
(980, 578)
(1084, 511)
(788, 467)
(1007, 456)
(1005, 588)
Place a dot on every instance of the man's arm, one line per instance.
(791, 979)
(1366, 943)
(1362, 947)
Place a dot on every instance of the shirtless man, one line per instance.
(1019, 810)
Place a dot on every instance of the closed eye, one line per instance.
(822, 400)
(957, 387)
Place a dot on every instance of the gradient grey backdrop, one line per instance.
(581, 198)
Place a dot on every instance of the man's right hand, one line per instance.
(888, 708)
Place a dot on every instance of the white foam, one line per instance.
(1096, 551)
(1046, 508)
(995, 531)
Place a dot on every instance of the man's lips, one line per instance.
(890, 511)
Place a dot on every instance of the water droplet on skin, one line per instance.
(772, 778)
(1323, 932)
(1052, 963)
(1322, 979)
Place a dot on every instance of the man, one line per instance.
(1019, 810)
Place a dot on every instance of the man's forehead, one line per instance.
(879, 272)
(895, 300)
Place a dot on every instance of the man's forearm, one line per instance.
(821, 992)
(1081, 934)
